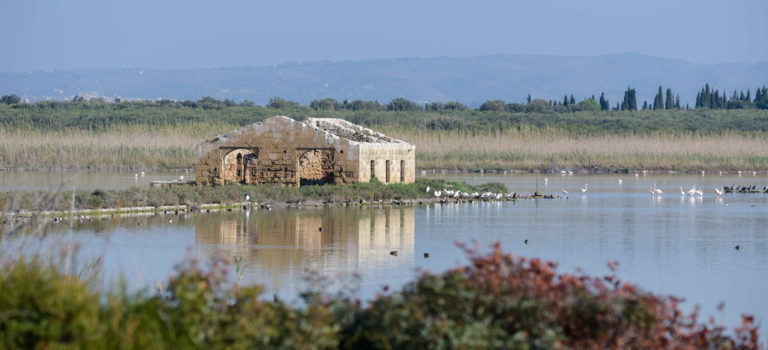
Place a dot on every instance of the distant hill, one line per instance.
(470, 80)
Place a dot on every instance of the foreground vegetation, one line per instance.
(162, 135)
(191, 195)
(496, 301)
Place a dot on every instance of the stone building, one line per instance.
(287, 152)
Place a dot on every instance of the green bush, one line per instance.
(496, 301)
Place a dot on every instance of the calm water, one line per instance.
(63, 180)
(667, 244)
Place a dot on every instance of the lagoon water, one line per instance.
(666, 244)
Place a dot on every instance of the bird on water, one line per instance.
(394, 252)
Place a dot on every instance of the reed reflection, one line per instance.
(277, 247)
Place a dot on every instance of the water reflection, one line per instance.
(277, 247)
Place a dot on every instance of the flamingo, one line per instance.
(620, 181)
(718, 192)
(650, 190)
(565, 192)
(584, 190)
(682, 193)
(657, 190)
(692, 191)
(699, 192)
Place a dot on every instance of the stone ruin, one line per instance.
(286, 152)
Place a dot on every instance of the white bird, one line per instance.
(142, 173)
(136, 175)
(562, 172)
(650, 190)
(584, 190)
(427, 189)
(692, 191)
(181, 177)
(637, 175)
(699, 192)
(499, 196)
(247, 198)
(721, 173)
(565, 192)
(437, 193)
(570, 172)
(718, 192)
(754, 173)
(682, 193)
(620, 181)
(657, 190)
(546, 180)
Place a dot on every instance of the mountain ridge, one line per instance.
(470, 80)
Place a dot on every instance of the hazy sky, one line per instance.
(178, 34)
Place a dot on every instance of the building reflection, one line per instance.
(279, 246)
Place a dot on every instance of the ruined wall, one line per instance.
(278, 143)
(402, 162)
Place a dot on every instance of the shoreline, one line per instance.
(555, 169)
(215, 207)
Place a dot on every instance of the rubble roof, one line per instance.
(347, 130)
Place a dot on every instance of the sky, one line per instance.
(183, 34)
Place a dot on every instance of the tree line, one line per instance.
(706, 98)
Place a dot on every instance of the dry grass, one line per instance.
(120, 148)
(543, 150)
(174, 147)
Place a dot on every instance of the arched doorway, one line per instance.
(316, 167)
(236, 164)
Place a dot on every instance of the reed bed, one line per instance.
(173, 147)
(134, 147)
(527, 150)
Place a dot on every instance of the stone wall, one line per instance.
(398, 158)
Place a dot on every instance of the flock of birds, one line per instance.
(445, 193)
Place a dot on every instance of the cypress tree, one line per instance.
(748, 98)
(670, 102)
(565, 100)
(604, 104)
(529, 98)
(698, 99)
(572, 101)
(677, 101)
(658, 100)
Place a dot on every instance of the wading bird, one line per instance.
(584, 190)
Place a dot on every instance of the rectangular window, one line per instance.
(373, 168)
(402, 171)
(388, 166)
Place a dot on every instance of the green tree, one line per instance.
(402, 104)
(658, 100)
(670, 100)
(494, 106)
(10, 99)
(604, 104)
(325, 104)
(281, 103)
